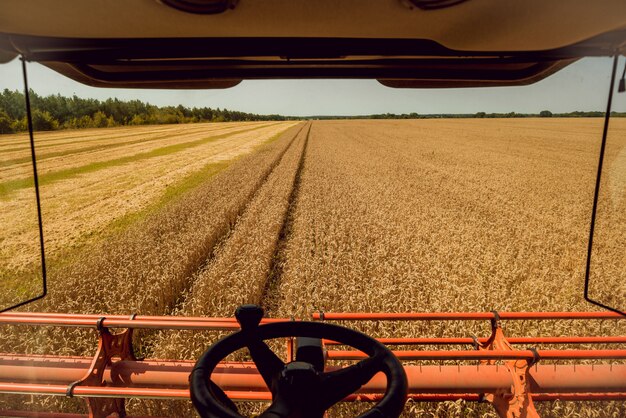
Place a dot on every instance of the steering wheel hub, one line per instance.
(300, 374)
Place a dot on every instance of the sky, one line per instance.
(580, 86)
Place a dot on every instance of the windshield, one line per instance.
(312, 198)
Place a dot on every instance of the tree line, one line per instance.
(60, 112)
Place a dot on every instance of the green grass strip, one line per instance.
(10, 186)
(100, 147)
(48, 143)
(82, 138)
(80, 150)
(179, 188)
(171, 194)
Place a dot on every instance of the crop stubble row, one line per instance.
(237, 273)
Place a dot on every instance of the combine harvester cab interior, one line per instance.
(320, 360)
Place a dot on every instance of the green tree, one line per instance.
(43, 121)
(54, 111)
(137, 120)
(20, 125)
(100, 120)
(85, 122)
(6, 126)
(545, 114)
(12, 102)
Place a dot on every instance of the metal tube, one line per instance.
(464, 316)
(512, 340)
(162, 373)
(243, 376)
(93, 391)
(440, 397)
(563, 378)
(616, 396)
(112, 392)
(417, 397)
(124, 321)
(487, 355)
(577, 378)
(120, 323)
(136, 317)
(542, 397)
(169, 322)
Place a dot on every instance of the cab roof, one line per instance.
(402, 43)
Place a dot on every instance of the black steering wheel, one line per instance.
(301, 388)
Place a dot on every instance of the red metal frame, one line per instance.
(243, 376)
(508, 378)
(524, 387)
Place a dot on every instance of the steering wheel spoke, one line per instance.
(277, 409)
(267, 362)
(338, 384)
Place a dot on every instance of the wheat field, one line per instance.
(363, 215)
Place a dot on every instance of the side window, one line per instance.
(22, 265)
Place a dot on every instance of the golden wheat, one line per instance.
(455, 215)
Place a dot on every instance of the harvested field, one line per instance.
(392, 216)
(84, 190)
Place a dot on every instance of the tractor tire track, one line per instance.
(269, 298)
(231, 225)
(237, 270)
